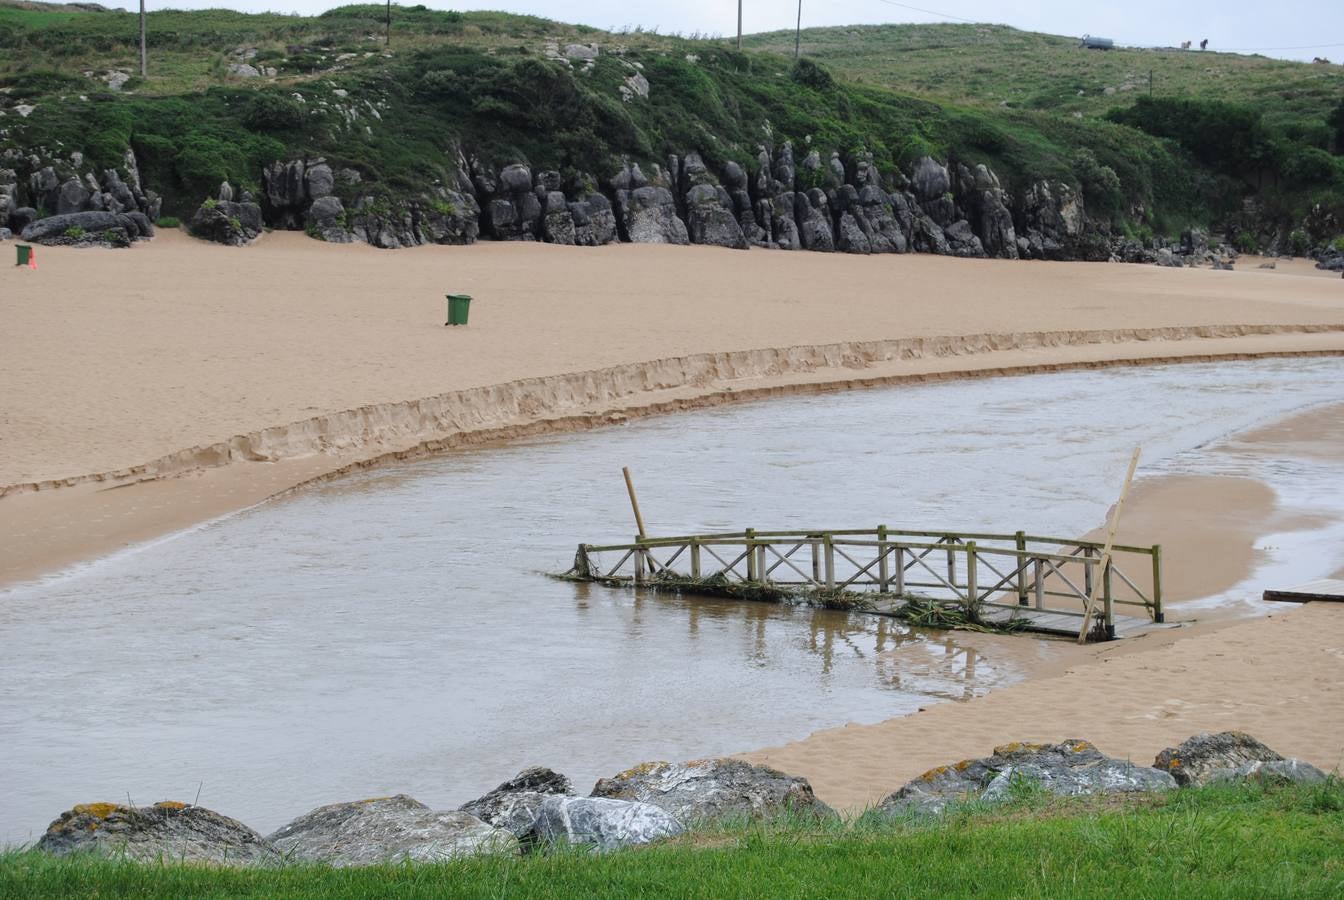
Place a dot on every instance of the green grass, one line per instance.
(480, 80)
(1240, 841)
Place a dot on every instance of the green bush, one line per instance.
(272, 111)
(1338, 244)
(1245, 242)
(75, 232)
(168, 222)
(1298, 242)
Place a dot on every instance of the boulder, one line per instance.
(1053, 220)
(1071, 768)
(710, 218)
(54, 228)
(1206, 757)
(387, 830)
(232, 224)
(812, 213)
(1166, 258)
(514, 805)
(927, 237)
(962, 240)
(849, 237)
(709, 790)
(594, 221)
(602, 823)
(166, 831)
(21, 217)
(1273, 773)
(933, 190)
(319, 180)
(442, 216)
(6, 234)
(557, 224)
(72, 197)
(327, 221)
(650, 216)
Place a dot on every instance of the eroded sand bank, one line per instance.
(235, 374)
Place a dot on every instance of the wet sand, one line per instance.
(1280, 678)
(197, 380)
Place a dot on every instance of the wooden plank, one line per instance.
(1110, 541)
(1329, 590)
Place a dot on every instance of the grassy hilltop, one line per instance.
(1218, 129)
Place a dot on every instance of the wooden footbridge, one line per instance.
(1040, 584)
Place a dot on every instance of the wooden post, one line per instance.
(1040, 583)
(1157, 583)
(1110, 541)
(972, 602)
(144, 60)
(634, 501)
(900, 571)
(1021, 568)
(639, 561)
(1108, 601)
(762, 561)
(816, 561)
(1087, 571)
(752, 574)
(830, 561)
(695, 559)
(882, 573)
(951, 568)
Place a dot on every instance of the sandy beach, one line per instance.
(153, 389)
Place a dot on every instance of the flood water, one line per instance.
(391, 632)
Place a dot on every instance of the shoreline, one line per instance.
(250, 469)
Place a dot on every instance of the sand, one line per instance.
(152, 389)
(198, 379)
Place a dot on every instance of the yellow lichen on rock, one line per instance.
(642, 769)
(97, 810)
(170, 804)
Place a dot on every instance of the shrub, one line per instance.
(1298, 242)
(1245, 242)
(75, 232)
(1338, 244)
(112, 236)
(168, 222)
(813, 75)
(1101, 186)
(271, 111)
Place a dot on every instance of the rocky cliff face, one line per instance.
(55, 199)
(825, 203)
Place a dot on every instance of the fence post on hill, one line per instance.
(144, 64)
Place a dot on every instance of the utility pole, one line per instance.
(798, 32)
(389, 23)
(144, 66)
(739, 24)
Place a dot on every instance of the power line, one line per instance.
(931, 12)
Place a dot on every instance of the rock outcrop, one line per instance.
(1071, 768)
(92, 228)
(226, 221)
(515, 804)
(710, 790)
(711, 217)
(90, 209)
(1231, 756)
(602, 823)
(387, 830)
(166, 831)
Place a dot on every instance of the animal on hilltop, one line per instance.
(1204, 44)
(1185, 45)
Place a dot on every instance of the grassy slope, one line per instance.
(1220, 842)
(990, 65)
(481, 78)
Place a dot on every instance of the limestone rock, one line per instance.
(1202, 757)
(1071, 768)
(1277, 772)
(602, 823)
(708, 790)
(515, 804)
(326, 221)
(594, 221)
(710, 218)
(650, 215)
(387, 830)
(165, 831)
(91, 227)
(232, 224)
(814, 220)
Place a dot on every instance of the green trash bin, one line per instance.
(24, 254)
(458, 306)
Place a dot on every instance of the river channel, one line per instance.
(393, 632)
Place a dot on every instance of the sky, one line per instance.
(1289, 29)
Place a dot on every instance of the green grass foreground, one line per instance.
(1242, 841)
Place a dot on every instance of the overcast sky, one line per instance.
(1228, 24)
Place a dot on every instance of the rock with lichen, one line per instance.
(1231, 756)
(709, 790)
(168, 831)
(1071, 768)
(514, 805)
(388, 830)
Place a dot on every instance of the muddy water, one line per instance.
(390, 632)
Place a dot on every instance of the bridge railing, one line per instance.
(1004, 572)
